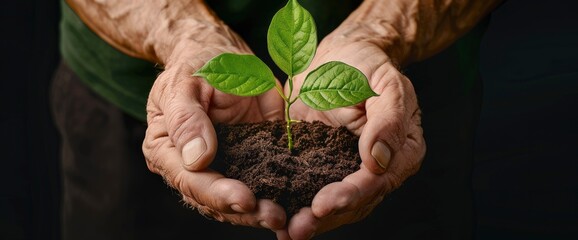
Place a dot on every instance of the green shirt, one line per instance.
(122, 80)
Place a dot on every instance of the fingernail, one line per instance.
(237, 208)
(264, 225)
(193, 150)
(381, 153)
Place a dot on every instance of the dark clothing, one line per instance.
(122, 80)
(526, 175)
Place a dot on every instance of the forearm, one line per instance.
(412, 30)
(152, 29)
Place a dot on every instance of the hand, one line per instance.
(181, 142)
(391, 144)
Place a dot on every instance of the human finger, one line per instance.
(181, 100)
(271, 104)
(388, 118)
(340, 203)
(267, 214)
(206, 187)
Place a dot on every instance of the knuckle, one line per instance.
(158, 90)
(150, 151)
(416, 117)
(181, 185)
(169, 177)
(154, 138)
(152, 147)
(152, 111)
(151, 167)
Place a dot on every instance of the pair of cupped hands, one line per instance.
(181, 142)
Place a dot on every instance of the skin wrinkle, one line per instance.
(204, 103)
(181, 131)
(270, 115)
(396, 126)
(416, 117)
(206, 36)
(153, 39)
(120, 14)
(221, 187)
(399, 172)
(150, 149)
(117, 13)
(357, 125)
(380, 73)
(226, 115)
(393, 138)
(179, 183)
(414, 30)
(181, 26)
(381, 28)
(194, 204)
(155, 99)
(154, 160)
(410, 23)
(221, 111)
(362, 207)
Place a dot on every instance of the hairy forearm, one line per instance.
(412, 30)
(152, 29)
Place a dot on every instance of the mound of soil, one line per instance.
(257, 154)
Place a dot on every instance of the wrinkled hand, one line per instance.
(391, 144)
(181, 141)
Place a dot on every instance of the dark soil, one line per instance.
(257, 154)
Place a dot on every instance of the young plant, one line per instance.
(292, 42)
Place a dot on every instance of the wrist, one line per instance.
(381, 34)
(410, 31)
(390, 25)
(197, 45)
(194, 52)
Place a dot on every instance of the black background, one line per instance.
(29, 180)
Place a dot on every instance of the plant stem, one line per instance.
(287, 116)
(289, 135)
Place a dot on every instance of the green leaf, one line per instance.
(333, 85)
(241, 75)
(292, 38)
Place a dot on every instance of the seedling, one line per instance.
(292, 42)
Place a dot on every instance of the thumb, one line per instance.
(389, 117)
(188, 125)
(381, 138)
(195, 137)
(385, 131)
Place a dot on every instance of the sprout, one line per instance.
(292, 42)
